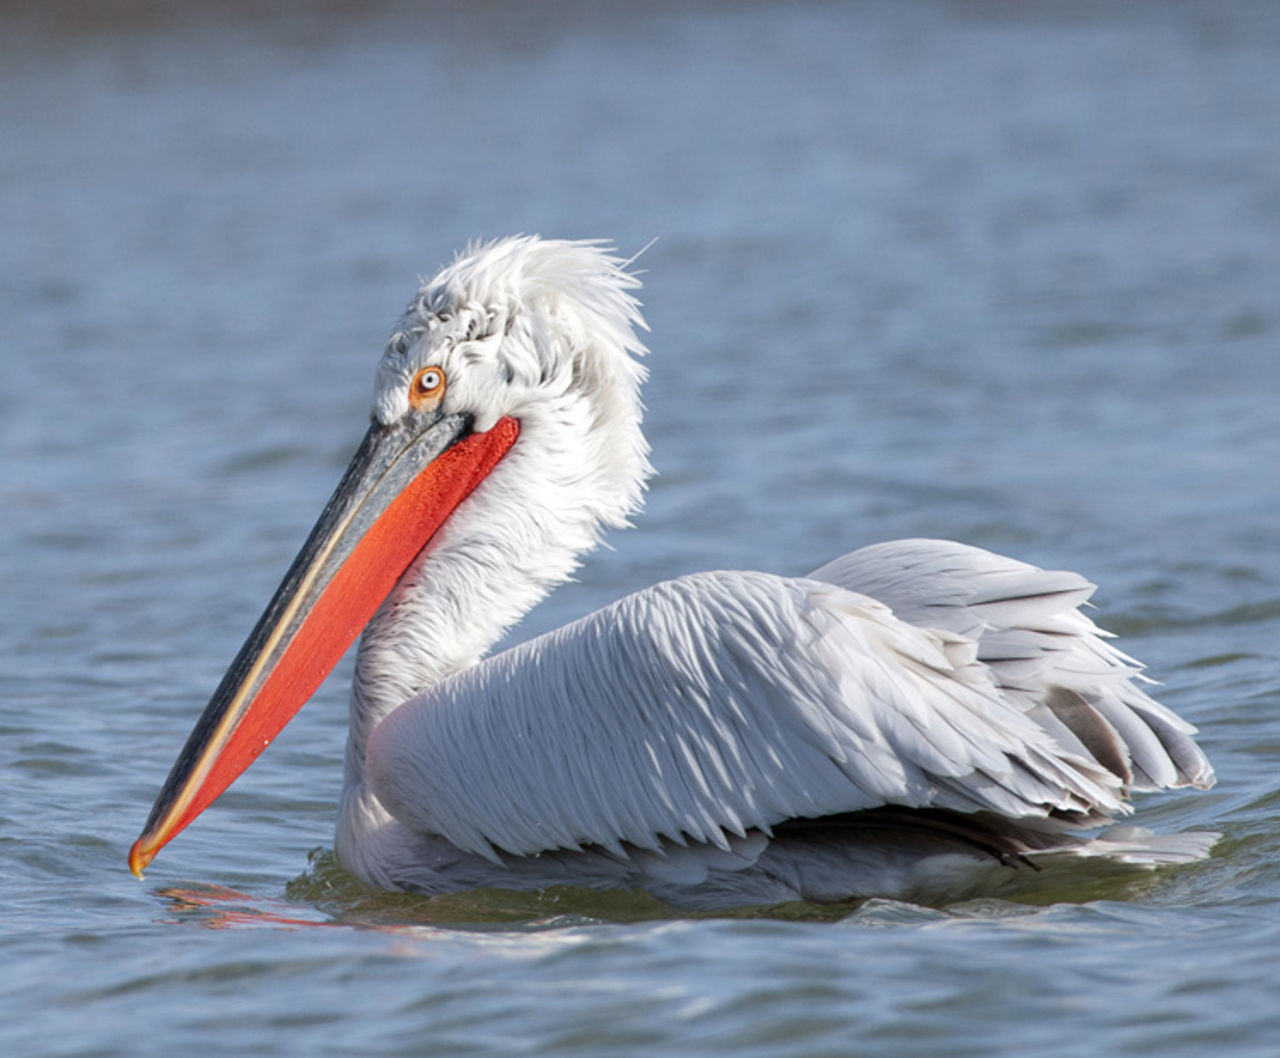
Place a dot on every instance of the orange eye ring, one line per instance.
(427, 386)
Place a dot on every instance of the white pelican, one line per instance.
(898, 719)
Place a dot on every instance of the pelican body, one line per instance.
(904, 718)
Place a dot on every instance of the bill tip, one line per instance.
(138, 859)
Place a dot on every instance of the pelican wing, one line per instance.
(1043, 653)
(712, 705)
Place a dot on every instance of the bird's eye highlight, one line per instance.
(427, 387)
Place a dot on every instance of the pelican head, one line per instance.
(505, 436)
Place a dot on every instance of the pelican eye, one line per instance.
(427, 386)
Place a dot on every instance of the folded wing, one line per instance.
(721, 703)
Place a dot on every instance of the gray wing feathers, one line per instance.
(1043, 653)
(711, 706)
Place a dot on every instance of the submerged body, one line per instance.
(897, 724)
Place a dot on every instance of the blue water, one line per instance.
(1003, 273)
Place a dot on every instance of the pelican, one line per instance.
(899, 719)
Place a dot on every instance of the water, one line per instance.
(1000, 273)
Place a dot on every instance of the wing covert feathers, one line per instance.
(1042, 652)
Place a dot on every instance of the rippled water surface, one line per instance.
(1004, 273)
